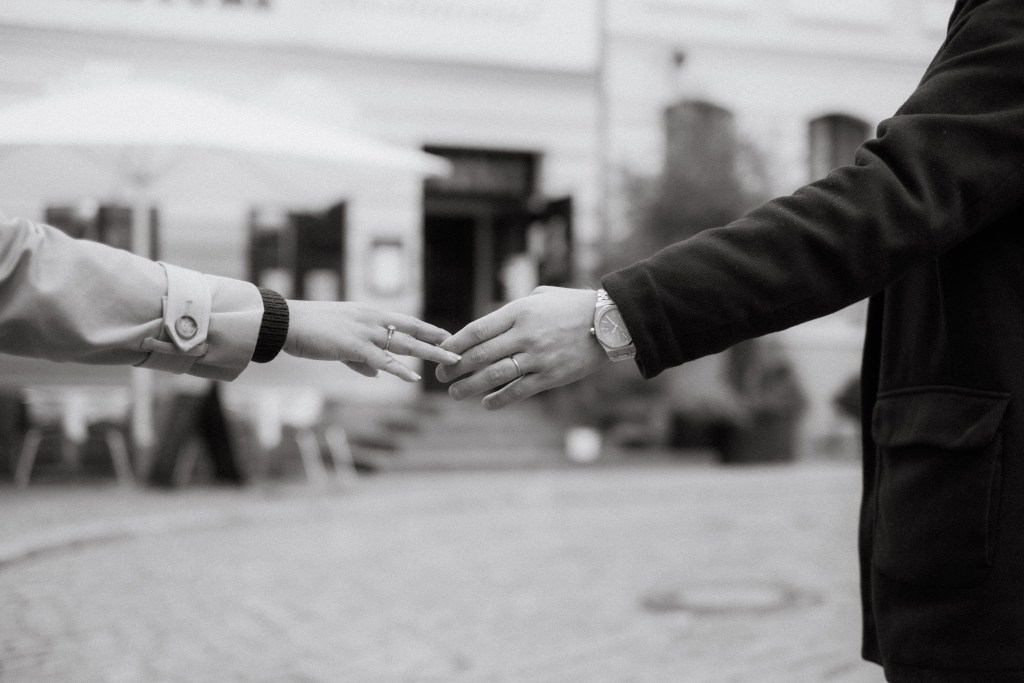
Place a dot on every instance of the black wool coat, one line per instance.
(930, 224)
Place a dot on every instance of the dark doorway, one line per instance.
(488, 237)
(448, 285)
(449, 252)
(110, 224)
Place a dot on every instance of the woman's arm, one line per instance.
(78, 301)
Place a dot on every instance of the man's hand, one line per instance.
(548, 335)
(356, 335)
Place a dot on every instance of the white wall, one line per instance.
(528, 34)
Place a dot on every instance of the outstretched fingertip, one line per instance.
(409, 377)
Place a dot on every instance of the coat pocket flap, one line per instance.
(945, 417)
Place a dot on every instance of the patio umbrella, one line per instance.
(150, 115)
(154, 141)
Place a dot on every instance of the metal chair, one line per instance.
(270, 411)
(74, 409)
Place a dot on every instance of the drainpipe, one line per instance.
(603, 136)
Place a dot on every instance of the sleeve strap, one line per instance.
(273, 329)
(186, 323)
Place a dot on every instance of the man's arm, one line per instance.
(946, 165)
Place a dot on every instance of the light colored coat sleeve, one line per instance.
(71, 300)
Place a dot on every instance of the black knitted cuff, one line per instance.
(273, 329)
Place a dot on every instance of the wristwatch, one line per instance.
(610, 329)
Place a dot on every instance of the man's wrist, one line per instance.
(603, 298)
(610, 329)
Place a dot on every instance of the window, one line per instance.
(299, 255)
(700, 140)
(699, 187)
(834, 140)
(110, 224)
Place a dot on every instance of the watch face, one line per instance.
(611, 329)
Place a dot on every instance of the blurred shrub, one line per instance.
(710, 178)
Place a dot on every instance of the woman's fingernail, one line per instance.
(454, 356)
(418, 378)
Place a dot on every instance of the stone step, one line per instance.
(437, 433)
(432, 459)
(463, 425)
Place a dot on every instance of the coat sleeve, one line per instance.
(946, 165)
(73, 300)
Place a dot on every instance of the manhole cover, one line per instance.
(727, 599)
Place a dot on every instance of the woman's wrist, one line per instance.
(274, 327)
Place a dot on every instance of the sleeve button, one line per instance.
(186, 327)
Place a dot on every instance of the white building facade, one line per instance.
(542, 105)
(506, 89)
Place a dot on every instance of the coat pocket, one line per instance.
(938, 487)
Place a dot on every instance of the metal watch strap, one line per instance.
(625, 353)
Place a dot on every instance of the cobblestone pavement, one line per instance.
(566, 576)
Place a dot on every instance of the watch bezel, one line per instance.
(597, 329)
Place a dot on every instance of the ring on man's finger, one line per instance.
(391, 332)
(518, 368)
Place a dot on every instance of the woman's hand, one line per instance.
(356, 335)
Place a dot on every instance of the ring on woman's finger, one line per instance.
(391, 332)
(518, 368)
